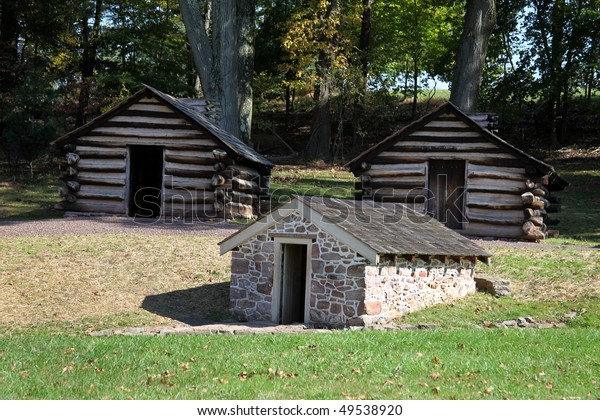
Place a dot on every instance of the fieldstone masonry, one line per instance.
(406, 286)
(344, 288)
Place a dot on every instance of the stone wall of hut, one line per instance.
(344, 289)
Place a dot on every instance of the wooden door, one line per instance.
(446, 192)
(293, 282)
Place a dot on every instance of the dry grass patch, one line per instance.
(547, 274)
(72, 277)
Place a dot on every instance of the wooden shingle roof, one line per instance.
(391, 228)
(188, 109)
(369, 228)
(558, 183)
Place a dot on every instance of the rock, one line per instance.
(407, 327)
(492, 285)
(355, 322)
(373, 307)
(133, 331)
(521, 322)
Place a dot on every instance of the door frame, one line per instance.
(463, 208)
(278, 280)
(127, 194)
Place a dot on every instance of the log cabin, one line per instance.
(156, 155)
(453, 167)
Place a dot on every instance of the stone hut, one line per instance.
(156, 155)
(454, 167)
(333, 262)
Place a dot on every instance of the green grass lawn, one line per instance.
(324, 182)
(579, 221)
(462, 364)
(29, 199)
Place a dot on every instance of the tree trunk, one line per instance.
(365, 39)
(363, 48)
(415, 92)
(480, 18)
(320, 133)
(9, 31)
(88, 63)
(246, 21)
(225, 59)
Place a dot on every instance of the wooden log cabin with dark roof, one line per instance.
(156, 155)
(448, 165)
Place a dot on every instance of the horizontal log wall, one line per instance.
(102, 165)
(495, 178)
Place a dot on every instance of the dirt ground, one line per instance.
(82, 225)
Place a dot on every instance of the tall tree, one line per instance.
(480, 18)
(89, 41)
(318, 146)
(9, 31)
(564, 37)
(221, 36)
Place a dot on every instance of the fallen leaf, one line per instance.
(530, 385)
(489, 390)
(224, 381)
(424, 384)
(193, 359)
(243, 376)
(67, 369)
(185, 366)
(436, 390)
(549, 385)
(436, 361)
(419, 354)
(356, 371)
(434, 375)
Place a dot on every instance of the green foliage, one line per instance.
(28, 121)
(413, 41)
(144, 42)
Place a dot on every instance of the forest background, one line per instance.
(314, 79)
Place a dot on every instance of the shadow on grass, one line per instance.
(197, 306)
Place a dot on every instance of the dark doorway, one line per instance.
(293, 283)
(446, 192)
(145, 180)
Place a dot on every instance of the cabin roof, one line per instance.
(189, 108)
(558, 182)
(371, 229)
